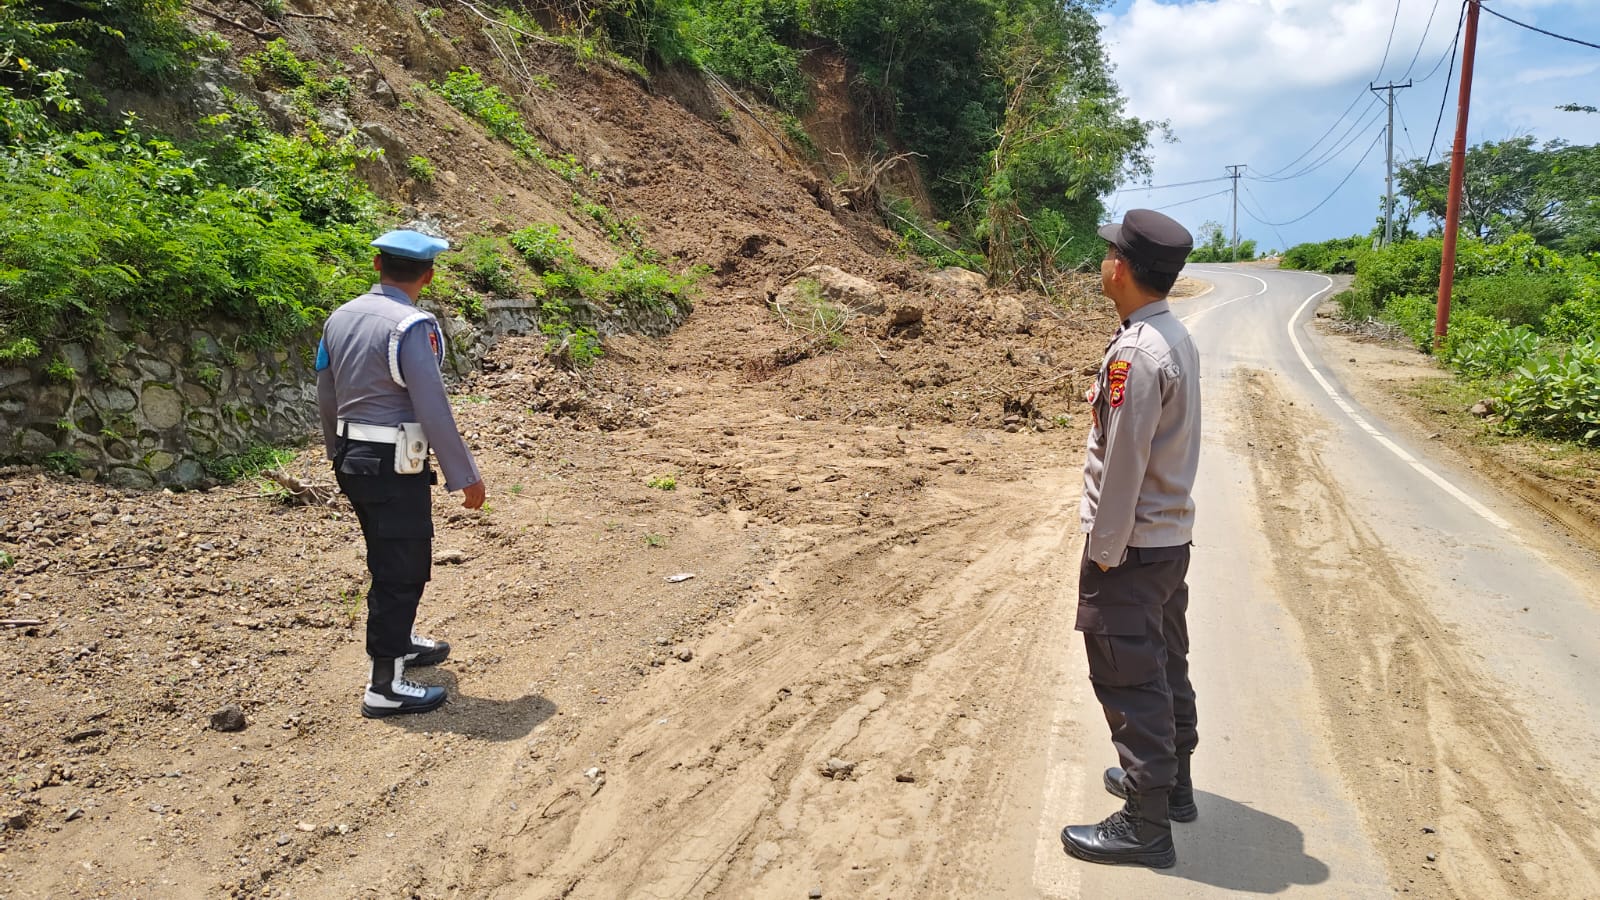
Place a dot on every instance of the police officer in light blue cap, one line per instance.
(383, 406)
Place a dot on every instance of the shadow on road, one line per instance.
(1238, 848)
(475, 717)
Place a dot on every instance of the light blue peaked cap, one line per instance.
(411, 245)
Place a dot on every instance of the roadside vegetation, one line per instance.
(100, 214)
(1212, 245)
(1007, 106)
(1525, 304)
(97, 212)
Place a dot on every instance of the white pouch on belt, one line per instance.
(410, 448)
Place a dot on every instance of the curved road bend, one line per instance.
(1393, 658)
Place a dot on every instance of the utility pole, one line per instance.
(1458, 165)
(1233, 172)
(1388, 209)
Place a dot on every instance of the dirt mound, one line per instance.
(185, 668)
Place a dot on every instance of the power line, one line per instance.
(1336, 190)
(1158, 187)
(1420, 44)
(1353, 135)
(1452, 55)
(1318, 141)
(1536, 28)
(1407, 131)
(1390, 43)
(1445, 98)
(1195, 199)
(1411, 202)
(1281, 241)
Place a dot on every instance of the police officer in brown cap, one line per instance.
(1138, 514)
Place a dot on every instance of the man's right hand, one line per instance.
(473, 492)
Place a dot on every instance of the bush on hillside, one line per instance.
(1556, 394)
(1579, 316)
(1337, 256)
(1517, 298)
(755, 43)
(1479, 347)
(93, 222)
(1409, 268)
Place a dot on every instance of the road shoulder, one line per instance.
(1419, 398)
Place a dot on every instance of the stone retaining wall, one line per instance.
(149, 408)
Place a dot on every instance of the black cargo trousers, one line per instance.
(1135, 629)
(396, 516)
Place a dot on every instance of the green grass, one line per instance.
(249, 463)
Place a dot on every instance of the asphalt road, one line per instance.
(1394, 659)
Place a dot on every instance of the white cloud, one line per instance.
(1555, 73)
(1259, 82)
(1173, 59)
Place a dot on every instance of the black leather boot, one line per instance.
(1138, 834)
(390, 694)
(427, 652)
(1181, 804)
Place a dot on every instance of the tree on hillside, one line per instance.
(920, 78)
(1064, 141)
(1212, 245)
(1550, 192)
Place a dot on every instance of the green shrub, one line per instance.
(544, 248)
(917, 237)
(1336, 257)
(278, 66)
(61, 372)
(64, 462)
(1556, 394)
(1484, 348)
(1517, 298)
(265, 229)
(465, 90)
(753, 43)
(1579, 316)
(247, 463)
(447, 290)
(486, 269)
(1409, 268)
(631, 283)
(104, 42)
(420, 168)
(1414, 314)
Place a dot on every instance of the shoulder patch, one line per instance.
(1117, 381)
(322, 356)
(433, 340)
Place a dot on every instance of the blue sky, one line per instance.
(1260, 82)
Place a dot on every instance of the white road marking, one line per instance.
(1195, 315)
(1487, 514)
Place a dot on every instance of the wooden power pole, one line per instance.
(1458, 164)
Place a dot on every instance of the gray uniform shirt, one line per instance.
(1144, 445)
(379, 365)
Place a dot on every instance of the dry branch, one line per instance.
(301, 493)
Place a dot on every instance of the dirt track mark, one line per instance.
(885, 650)
(1423, 739)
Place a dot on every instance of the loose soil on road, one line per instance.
(845, 695)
